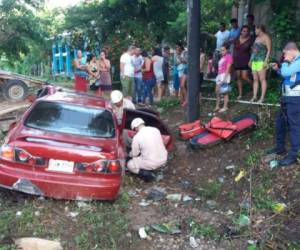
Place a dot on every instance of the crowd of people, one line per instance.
(143, 74)
(240, 53)
(96, 72)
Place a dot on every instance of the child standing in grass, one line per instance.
(223, 78)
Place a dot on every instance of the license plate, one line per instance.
(61, 166)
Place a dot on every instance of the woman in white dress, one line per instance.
(158, 60)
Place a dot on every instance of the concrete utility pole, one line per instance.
(193, 59)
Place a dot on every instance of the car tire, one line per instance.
(15, 90)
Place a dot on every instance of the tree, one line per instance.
(19, 26)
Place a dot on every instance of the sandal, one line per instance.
(260, 101)
(223, 110)
(239, 97)
(216, 109)
(253, 99)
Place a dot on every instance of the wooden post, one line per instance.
(193, 59)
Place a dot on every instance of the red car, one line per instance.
(69, 146)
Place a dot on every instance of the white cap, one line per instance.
(136, 122)
(116, 96)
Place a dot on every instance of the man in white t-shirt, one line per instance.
(127, 72)
(138, 62)
(222, 37)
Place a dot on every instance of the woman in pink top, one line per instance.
(223, 77)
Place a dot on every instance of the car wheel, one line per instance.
(15, 90)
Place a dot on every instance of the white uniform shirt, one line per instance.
(118, 111)
(149, 146)
(127, 60)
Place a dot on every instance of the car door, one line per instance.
(150, 120)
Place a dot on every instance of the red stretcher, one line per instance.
(218, 130)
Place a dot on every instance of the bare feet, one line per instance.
(239, 97)
(216, 109)
(253, 99)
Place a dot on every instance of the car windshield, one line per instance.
(71, 119)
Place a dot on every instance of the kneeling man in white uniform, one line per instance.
(148, 151)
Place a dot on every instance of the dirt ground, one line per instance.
(207, 216)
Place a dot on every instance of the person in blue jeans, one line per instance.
(148, 77)
(288, 119)
(176, 83)
(138, 62)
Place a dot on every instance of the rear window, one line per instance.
(71, 119)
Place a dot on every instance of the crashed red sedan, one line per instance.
(69, 146)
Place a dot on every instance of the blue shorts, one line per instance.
(176, 82)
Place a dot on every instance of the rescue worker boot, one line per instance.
(276, 151)
(287, 161)
(146, 175)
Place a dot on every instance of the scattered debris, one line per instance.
(230, 167)
(37, 244)
(156, 194)
(252, 242)
(187, 198)
(73, 214)
(241, 174)
(193, 242)
(273, 164)
(229, 212)
(142, 233)
(83, 205)
(37, 213)
(268, 158)
(243, 220)
(221, 179)
(172, 227)
(245, 204)
(211, 203)
(174, 197)
(18, 214)
(144, 203)
(185, 184)
(278, 207)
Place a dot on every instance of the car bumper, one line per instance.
(59, 185)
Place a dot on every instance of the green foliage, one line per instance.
(19, 27)
(210, 190)
(168, 103)
(294, 245)
(205, 230)
(261, 198)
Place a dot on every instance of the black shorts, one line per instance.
(246, 67)
(166, 80)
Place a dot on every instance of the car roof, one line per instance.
(81, 99)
